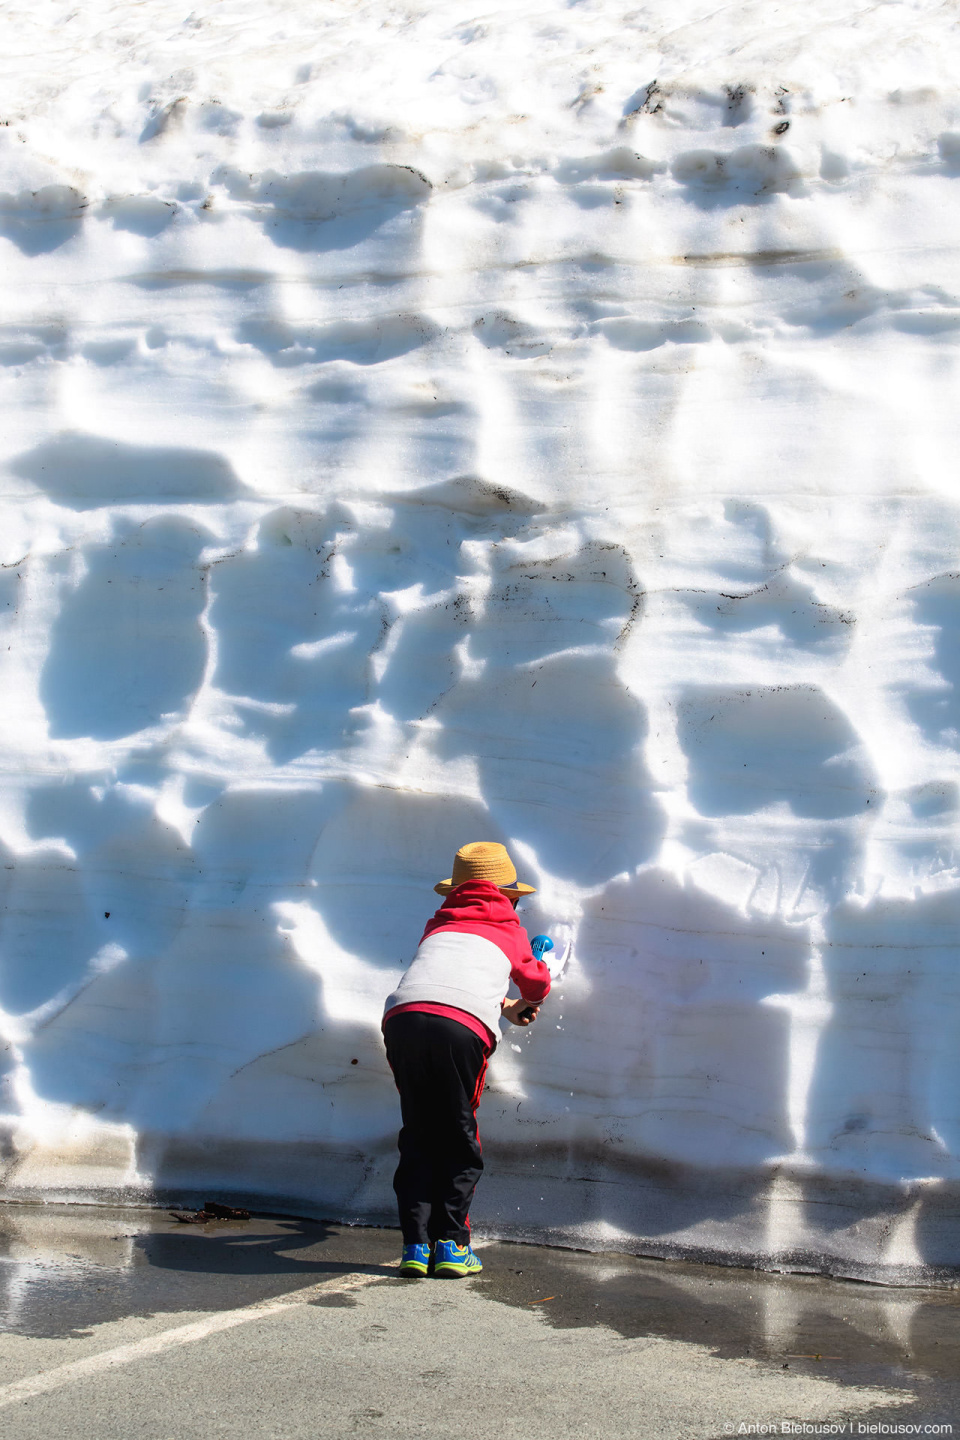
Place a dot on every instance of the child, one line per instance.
(440, 1028)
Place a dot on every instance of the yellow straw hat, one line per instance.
(485, 860)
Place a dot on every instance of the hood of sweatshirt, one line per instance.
(475, 902)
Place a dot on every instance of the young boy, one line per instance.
(440, 1028)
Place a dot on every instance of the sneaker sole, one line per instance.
(413, 1271)
(456, 1272)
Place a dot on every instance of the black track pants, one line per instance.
(439, 1066)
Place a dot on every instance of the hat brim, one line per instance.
(447, 887)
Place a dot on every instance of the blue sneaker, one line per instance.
(452, 1260)
(415, 1260)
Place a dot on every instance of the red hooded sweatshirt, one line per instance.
(478, 908)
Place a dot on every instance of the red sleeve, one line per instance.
(531, 976)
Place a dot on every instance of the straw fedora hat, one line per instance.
(485, 860)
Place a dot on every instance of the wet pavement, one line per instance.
(71, 1273)
(65, 1269)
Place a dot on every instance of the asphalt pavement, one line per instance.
(128, 1325)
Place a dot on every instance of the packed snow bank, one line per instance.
(424, 425)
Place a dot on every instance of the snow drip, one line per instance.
(423, 426)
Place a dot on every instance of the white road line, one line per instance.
(61, 1375)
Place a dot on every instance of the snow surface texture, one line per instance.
(425, 425)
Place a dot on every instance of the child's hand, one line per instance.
(520, 1012)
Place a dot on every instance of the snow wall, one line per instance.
(422, 426)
